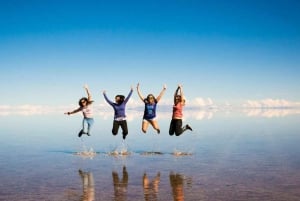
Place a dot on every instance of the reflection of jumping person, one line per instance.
(150, 109)
(176, 181)
(151, 188)
(120, 187)
(176, 122)
(119, 115)
(85, 107)
(88, 186)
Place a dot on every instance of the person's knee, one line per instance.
(177, 133)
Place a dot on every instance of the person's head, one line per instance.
(119, 99)
(151, 98)
(83, 102)
(177, 98)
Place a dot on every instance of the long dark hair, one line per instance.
(84, 99)
(121, 99)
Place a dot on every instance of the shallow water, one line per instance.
(228, 156)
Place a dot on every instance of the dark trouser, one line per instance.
(116, 126)
(176, 127)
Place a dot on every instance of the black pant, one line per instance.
(176, 127)
(116, 126)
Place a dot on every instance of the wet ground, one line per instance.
(227, 157)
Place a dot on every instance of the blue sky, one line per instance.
(227, 52)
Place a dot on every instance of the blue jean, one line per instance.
(87, 124)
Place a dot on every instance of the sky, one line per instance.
(223, 52)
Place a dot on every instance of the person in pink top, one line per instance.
(176, 122)
(87, 111)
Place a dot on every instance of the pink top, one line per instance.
(87, 111)
(177, 111)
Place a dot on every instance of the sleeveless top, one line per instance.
(177, 111)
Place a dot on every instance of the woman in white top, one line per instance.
(87, 111)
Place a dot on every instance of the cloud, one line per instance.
(270, 103)
(270, 113)
(134, 110)
(201, 102)
(198, 108)
(270, 108)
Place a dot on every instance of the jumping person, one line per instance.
(150, 109)
(87, 111)
(119, 114)
(176, 122)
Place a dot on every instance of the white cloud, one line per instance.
(270, 103)
(270, 113)
(198, 108)
(201, 102)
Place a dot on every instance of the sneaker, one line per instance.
(158, 131)
(188, 127)
(80, 133)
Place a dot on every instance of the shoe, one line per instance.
(188, 127)
(80, 133)
(124, 137)
(88, 134)
(158, 131)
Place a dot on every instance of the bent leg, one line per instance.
(124, 128)
(172, 127)
(178, 127)
(145, 125)
(90, 122)
(154, 124)
(115, 128)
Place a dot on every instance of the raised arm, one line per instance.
(139, 92)
(129, 95)
(176, 93)
(180, 90)
(88, 92)
(106, 98)
(161, 93)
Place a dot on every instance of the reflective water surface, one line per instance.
(241, 155)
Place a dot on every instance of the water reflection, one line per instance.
(151, 187)
(88, 186)
(120, 186)
(176, 181)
